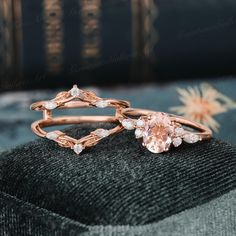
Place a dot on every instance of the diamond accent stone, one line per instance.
(191, 138)
(139, 133)
(52, 135)
(140, 123)
(157, 136)
(102, 103)
(128, 124)
(177, 141)
(179, 131)
(75, 91)
(78, 148)
(50, 105)
(102, 133)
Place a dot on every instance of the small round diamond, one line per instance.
(191, 138)
(78, 148)
(179, 131)
(75, 91)
(177, 141)
(52, 135)
(50, 105)
(128, 124)
(102, 133)
(140, 123)
(139, 133)
(102, 104)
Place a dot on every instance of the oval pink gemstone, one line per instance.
(157, 137)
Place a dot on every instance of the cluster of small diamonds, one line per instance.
(138, 125)
(177, 132)
(181, 135)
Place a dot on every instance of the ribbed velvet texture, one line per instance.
(117, 182)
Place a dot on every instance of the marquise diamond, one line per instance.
(191, 138)
(50, 105)
(102, 133)
(102, 103)
(52, 135)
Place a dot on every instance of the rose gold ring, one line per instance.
(76, 98)
(159, 131)
(78, 145)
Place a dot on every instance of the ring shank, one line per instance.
(66, 120)
(38, 106)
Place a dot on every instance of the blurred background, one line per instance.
(134, 49)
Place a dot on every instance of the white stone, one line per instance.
(102, 133)
(52, 135)
(191, 138)
(140, 123)
(78, 148)
(75, 91)
(102, 104)
(177, 141)
(128, 124)
(179, 131)
(139, 133)
(50, 105)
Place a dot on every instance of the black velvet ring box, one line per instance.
(113, 188)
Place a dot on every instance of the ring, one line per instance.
(76, 98)
(159, 131)
(78, 145)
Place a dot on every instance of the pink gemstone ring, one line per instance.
(159, 131)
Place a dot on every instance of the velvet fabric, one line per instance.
(116, 183)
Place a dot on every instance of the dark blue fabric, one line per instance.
(117, 182)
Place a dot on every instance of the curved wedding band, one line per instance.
(78, 145)
(76, 98)
(160, 130)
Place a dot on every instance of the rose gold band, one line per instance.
(66, 141)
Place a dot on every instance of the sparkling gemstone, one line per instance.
(78, 148)
(50, 105)
(102, 104)
(179, 131)
(139, 133)
(128, 124)
(52, 135)
(75, 91)
(177, 141)
(191, 138)
(157, 137)
(102, 133)
(140, 123)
